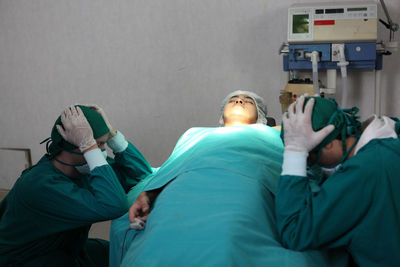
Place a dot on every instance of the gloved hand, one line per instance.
(99, 110)
(76, 129)
(299, 135)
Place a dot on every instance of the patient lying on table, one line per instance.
(212, 202)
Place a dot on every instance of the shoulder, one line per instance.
(380, 148)
(38, 179)
(371, 161)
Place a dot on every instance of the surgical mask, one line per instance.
(328, 171)
(103, 151)
(84, 168)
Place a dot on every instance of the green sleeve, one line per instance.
(131, 167)
(328, 218)
(57, 203)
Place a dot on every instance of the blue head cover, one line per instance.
(258, 100)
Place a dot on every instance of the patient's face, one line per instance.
(240, 110)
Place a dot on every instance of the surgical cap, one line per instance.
(96, 122)
(326, 112)
(261, 107)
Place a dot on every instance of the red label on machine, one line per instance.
(324, 22)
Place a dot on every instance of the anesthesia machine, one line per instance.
(333, 36)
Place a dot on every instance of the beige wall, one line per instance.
(157, 67)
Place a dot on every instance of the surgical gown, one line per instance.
(357, 207)
(45, 218)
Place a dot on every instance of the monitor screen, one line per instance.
(300, 23)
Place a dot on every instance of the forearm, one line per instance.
(323, 219)
(105, 185)
(294, 212)
(110, 197)
(71, 204)
(291, 196)
(130, 165)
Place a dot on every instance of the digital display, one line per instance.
(357, 9)
(301, 23)
(334, 10)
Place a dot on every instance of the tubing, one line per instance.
(314, 61)
(345, 92)
(378, 92)
(343, 69)
(331, 75)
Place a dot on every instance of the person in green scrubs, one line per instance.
(350, 194)
(46, 216)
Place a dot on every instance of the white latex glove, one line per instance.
(99, 110)
(298, 133)
(76, 129)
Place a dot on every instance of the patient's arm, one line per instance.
(141, 207)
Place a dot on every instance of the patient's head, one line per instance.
(242, 108)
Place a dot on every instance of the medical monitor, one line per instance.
(331, 22)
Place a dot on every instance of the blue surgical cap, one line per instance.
(261, 107)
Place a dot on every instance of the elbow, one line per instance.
(292, 241)
(116, 213)
(121, 208)
(298, 239)
(115, 208)
(294, 232)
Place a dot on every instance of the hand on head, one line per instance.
(76, 129)
(299, 135)
(99, 110)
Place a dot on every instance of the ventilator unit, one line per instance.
(333, 22)
(331, 36)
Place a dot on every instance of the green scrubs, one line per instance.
(357, 207)
(45, 218)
